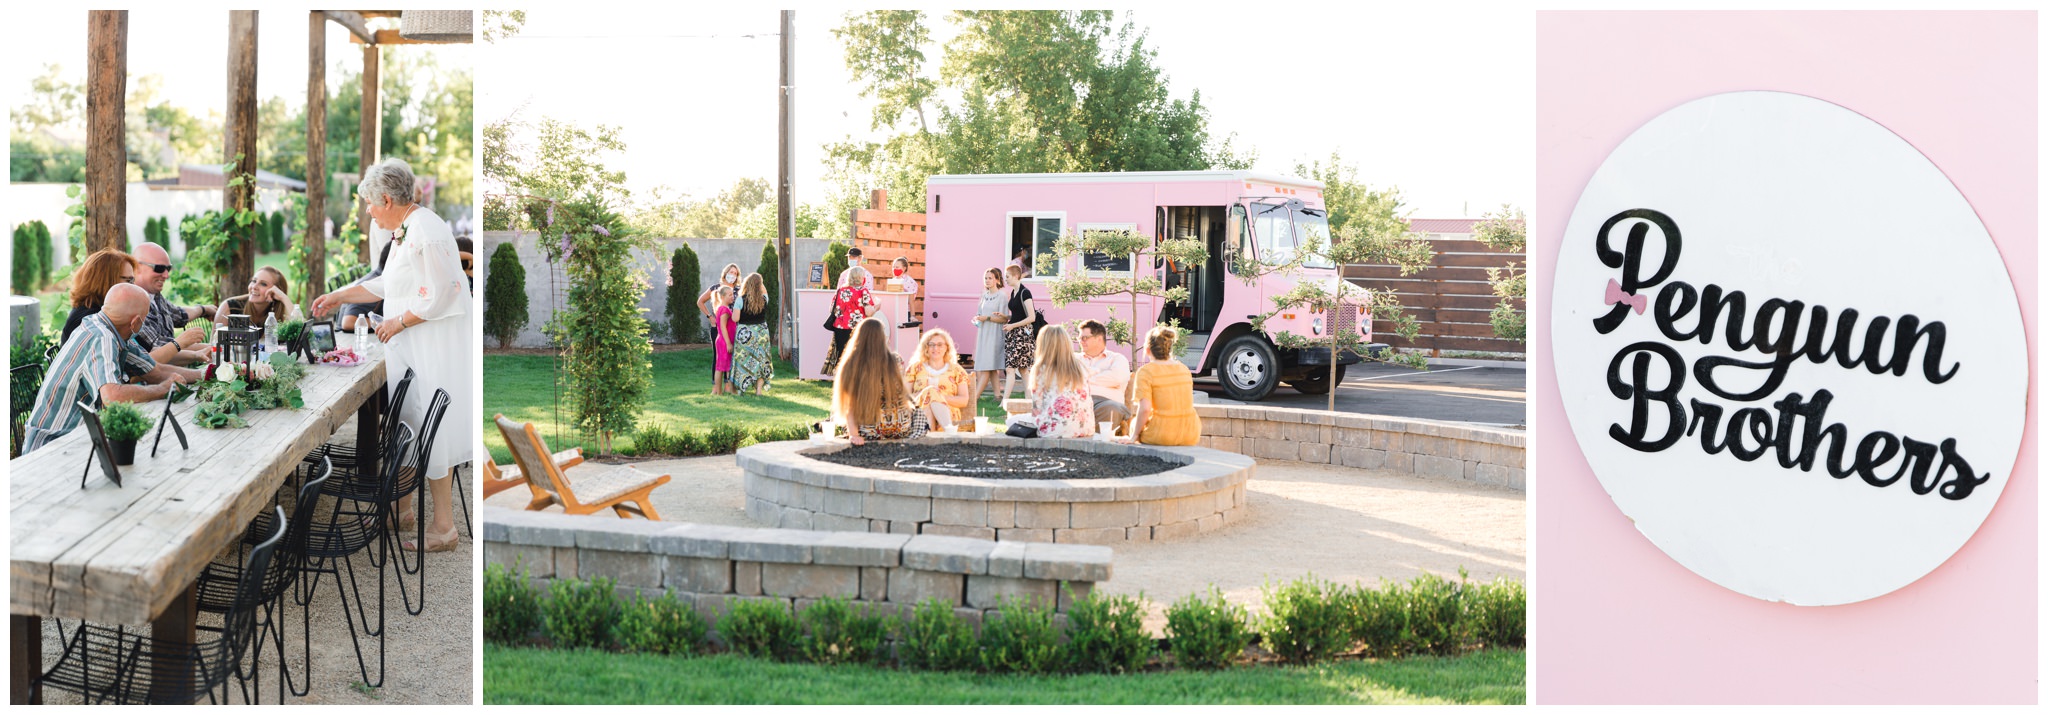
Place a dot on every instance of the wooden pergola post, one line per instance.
(106, 141)
(373, 132)
(316, 155)
(240, 147)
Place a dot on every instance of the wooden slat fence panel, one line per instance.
(884, 236)
(1452, 298)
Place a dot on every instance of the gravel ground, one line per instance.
(972, 460)
(429, 658)
(1346, 525)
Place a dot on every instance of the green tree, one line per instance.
(24, 269)
(502, 24)
(1026, 91)
(835, 262)
(771, 279)
(1357, 242)
(554, 159)
(604, 338)
(1507, 230)
(46, 253)
(1376, 211)
(683, 285)
(1143, 251)
(505, 295)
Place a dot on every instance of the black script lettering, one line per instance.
(1630, 260)
(1966, 481)
(1639, 390)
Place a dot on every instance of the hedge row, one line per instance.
(724, 438)
(1305, 621)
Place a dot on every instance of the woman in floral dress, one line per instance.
(752, 364)
(854, 302)
(869, 391)
(1059, 391)
(1018, 333)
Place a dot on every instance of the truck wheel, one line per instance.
(1250, 368)
(1317, 381)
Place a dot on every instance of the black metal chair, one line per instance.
(344, 456)
(23, 381)
(412, 479)
(217, 583)
(352, 528)
(113, 665)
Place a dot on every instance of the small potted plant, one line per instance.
(124, 425)
(292, 335)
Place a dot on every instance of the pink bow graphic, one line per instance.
(1616, 295)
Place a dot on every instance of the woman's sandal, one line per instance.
(447, 544)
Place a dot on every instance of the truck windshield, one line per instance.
(1281, 231)
(1313, 222)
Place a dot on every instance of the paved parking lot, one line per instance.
(1485, 395)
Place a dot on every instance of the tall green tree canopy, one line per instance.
(1015, 91)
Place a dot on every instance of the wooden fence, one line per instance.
(1452, 299)
(883, 236)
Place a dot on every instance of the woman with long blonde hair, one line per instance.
(938, 384)
(752, 367)
(1058, 389)
(869, 391)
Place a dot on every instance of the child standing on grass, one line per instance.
(722, 328)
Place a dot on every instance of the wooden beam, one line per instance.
(381, 13)
(240, 147)
(391, 37)
(373, 132)
(316, 157)
(106, 131)
(354, 22)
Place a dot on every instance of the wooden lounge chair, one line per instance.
(623, 489)
(500, 477)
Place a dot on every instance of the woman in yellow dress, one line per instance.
(937, 382)
(1164, 395)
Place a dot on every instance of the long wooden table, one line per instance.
(129, 555)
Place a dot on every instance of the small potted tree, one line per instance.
(124, 425)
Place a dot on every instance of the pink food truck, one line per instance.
(975, 222)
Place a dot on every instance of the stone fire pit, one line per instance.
(1047, 490)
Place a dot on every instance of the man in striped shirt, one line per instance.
(95, 353)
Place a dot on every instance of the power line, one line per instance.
(752, 36)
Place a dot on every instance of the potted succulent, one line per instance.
(124, 425)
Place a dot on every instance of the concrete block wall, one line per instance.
(712, 255)
(789, 489)
(711, 566)
(1439, 450)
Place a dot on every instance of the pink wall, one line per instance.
(1616, 621)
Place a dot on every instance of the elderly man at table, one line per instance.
(160, 330)
(1108, 373)
(95, 352)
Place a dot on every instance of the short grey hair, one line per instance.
(390, 178)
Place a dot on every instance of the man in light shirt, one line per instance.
(1108, 373)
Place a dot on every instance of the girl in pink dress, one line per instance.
(722, 327)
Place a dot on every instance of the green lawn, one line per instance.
(527, 675)
(522, 388)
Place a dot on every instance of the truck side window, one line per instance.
(1240, 230)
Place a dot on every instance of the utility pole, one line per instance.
(785, 199)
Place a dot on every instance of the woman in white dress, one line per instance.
(429, 330)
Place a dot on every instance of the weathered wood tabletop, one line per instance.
(123, 554)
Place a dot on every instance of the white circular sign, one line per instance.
(1788, 348)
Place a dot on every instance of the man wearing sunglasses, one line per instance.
(159, 331)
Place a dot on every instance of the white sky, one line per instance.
(188, 47)
(1437, 102)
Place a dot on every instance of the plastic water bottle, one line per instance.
(363, 334)
(270, 332)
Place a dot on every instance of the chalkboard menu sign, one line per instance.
(1104, 262)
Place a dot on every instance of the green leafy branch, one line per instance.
(1507, 230)
(1145, 256)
